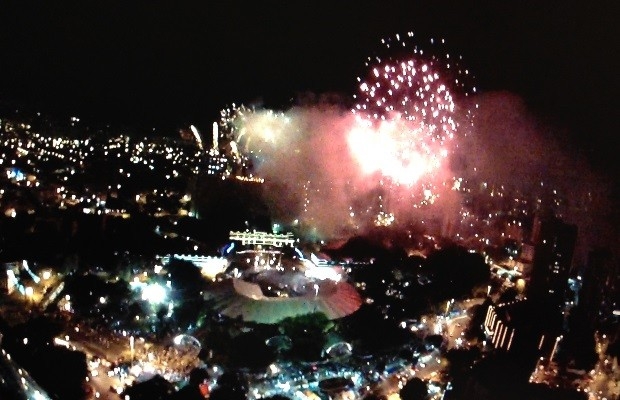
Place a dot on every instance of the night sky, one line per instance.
(149, 64)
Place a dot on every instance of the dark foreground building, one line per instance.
(16, 383)
(554, 246)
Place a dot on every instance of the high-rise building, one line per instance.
(15, 382)
(523, 327)
(600, 285)
(554, 246)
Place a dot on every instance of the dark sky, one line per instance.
(172, 63)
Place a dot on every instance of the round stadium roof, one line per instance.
(237, 298)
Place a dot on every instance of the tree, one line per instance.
(187, 283)
(370, 332)
(434, 340)
(186, 278)
(232, 385)
(414, 389)
(250, 350)
(226, 393)
(156, 388)
(39, 330)
(371, 247)
(195, 389)
(510, 294)
(188, 392)
(87, 290)
(455, 271)
(460, 362)
(308, 335)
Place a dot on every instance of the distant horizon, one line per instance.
(162, 65)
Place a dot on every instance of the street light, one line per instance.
(451, 301)
(29, 293)
(131, 347)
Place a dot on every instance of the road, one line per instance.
(455, 331)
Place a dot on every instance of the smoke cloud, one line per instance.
(511, 146)
(313, 180)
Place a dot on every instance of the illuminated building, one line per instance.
(522, 327)
(273, 281)
(262, 238)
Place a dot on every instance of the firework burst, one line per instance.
(407, 112)
(253, 130)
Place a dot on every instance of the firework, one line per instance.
(231, 120)
(407, 114)
(196, 136)
(371, 166)
(252, 129)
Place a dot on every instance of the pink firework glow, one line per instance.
(406, 113)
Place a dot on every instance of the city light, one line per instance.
(154, 293)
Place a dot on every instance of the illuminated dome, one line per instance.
(273, 280)
(237, 298)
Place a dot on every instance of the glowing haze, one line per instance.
(337, 170)
(401, 153)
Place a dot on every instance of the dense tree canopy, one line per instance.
(231, 385)
(414, 389)
(454, 271)
(187, 285)
(249, 350)
(370, 331)
(308, 333)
